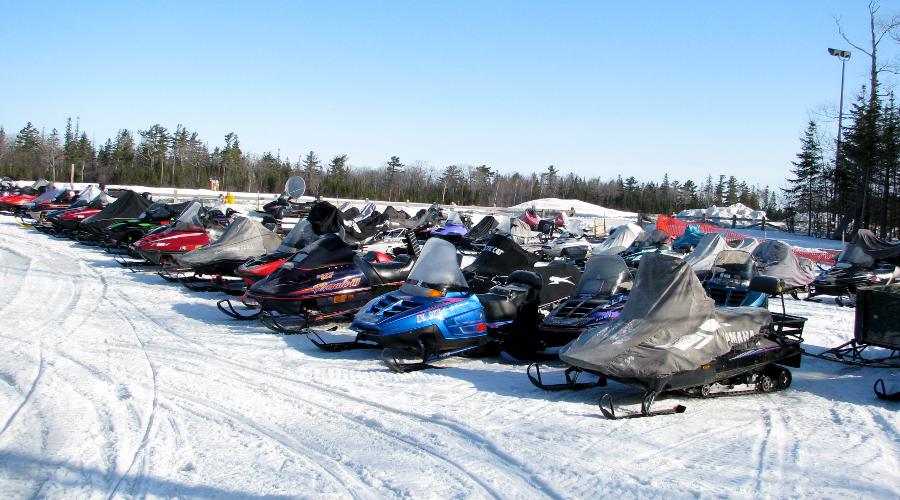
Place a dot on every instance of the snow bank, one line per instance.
(738, 210)
(581, 207)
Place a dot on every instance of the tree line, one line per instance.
(160, 157)
(853, 181)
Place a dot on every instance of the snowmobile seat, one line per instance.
(396, 270)
(497, 307)
(526, 278)
(767, 285)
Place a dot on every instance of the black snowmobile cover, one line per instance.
(669, 325)
(243, 238)
(775, 258)
(325, 218)
(501, 256)
(127, 206)
(865, 248)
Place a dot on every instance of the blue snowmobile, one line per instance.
(435, 315)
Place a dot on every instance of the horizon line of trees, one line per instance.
(158, 157)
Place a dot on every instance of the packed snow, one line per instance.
(118, 384)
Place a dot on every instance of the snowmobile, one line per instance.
(775, 258)
(600, 296)
(65, 222)
(501, 256)
(207, 268)
(323, 219)
(671, 337)
(127, 206)
(453, 229)
(13, 202)
(120, 235)
(619, 240)
(194, 227)
(867, 260)
(326, 279)
(435, 314)
(656, 241)
(729, 281)
(689, 239)
(52, 199)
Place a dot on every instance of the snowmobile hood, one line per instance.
(398, 312)
(173, 241)
(242, 239)
(668, 325)
(328, 259)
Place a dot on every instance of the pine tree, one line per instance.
(392, 171)
(312, 172)
(802, 193)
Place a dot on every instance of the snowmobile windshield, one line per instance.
(501, 256)
(190, 218)
(328, 249)
(300, 235)
(504, 224)
(157, 211)
(453, 219)
(48, 195)
(734, 266)
(436, 269)
(365, 212)
(88, 194)
(603, 275)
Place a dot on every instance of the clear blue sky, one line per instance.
(595, 88)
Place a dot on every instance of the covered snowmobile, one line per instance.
(501, 256)
(775, 258)
(55, 198)
(867, 260)
(324, 280)
(730, 278)
(435, 314)
(689, 239)
(702, 258)
(531, 218)
(671, 337)
(127, 206)
(620, 240)
(600, 296)
(244, 238)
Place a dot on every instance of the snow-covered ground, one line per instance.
(581, 208)
(114, 384)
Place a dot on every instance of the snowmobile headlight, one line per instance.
(435, 293)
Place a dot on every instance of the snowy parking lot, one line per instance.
(120, 384)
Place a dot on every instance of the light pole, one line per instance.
(844, 56)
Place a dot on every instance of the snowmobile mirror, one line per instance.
(295, 187)
(767, 285)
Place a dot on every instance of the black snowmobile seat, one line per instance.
(379, 273)
(497, 307)
(767, 285)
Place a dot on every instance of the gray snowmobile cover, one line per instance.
(775, 258)
(244, 238)
(704, 255)
(669, 325)
(865, 248)
(621, 238)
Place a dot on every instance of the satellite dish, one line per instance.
(295, 187)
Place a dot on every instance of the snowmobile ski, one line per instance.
(227, 307)
(572, 374)
(610, 412)
(324, 345)
(882, 393)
